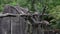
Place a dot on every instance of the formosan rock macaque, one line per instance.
(15, 9)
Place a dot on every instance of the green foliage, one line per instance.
(55, 12)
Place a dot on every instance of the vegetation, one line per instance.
(53, 8)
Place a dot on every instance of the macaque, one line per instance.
(15, 10)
